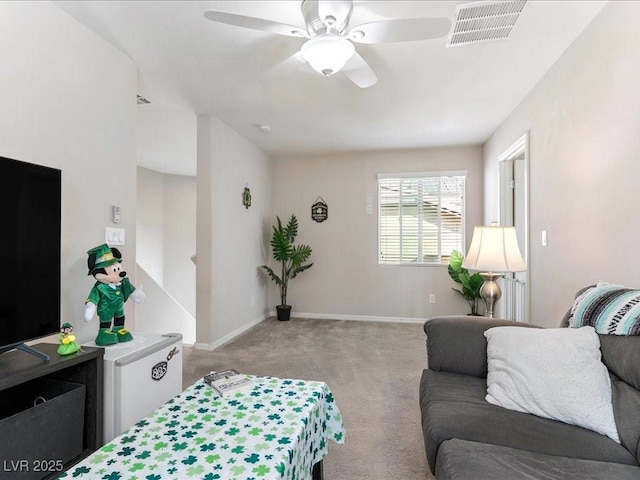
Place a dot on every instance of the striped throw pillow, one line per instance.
(610, 309)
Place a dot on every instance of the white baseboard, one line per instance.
(358, 318)
(230, 336)
(319, 316)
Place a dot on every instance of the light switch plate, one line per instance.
(114, 236)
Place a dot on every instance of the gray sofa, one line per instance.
(466, 437)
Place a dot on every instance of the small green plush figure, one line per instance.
(67, 339)
(108, 295)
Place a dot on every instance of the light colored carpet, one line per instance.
(373, 370)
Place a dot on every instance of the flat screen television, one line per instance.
(30, 202)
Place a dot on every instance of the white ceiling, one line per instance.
(427, 95)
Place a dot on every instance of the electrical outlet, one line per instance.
(432, 298)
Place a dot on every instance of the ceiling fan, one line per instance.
(329, 47)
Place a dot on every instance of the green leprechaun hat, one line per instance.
(104, 257)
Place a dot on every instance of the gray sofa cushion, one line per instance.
(463, 460)
(454, 406)
(626, 405)
(456, 343)
(621, 355)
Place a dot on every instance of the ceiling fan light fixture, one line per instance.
(327, 54)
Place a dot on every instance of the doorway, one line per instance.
(514, 212)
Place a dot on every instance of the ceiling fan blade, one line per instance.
(359, 71)
(256, 24)
(334, 12)
(400, 30)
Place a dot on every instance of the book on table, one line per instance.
(228, 382)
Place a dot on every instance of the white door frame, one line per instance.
(513, 201)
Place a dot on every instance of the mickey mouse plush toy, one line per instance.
(108, 295)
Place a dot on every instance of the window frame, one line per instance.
(418, 176)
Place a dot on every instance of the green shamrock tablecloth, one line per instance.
(277, 430)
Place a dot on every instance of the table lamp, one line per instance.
(493, 252)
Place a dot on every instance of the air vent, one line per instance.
(485, 21)
(141, 100)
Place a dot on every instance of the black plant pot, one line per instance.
(283, 312)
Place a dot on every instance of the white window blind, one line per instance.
(421, 217)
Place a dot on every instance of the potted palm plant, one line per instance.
(292, 260)
(471, 284)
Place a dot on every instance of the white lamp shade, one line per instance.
(494, 249)
(327, 53)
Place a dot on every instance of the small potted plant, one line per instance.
(292, 260)
(471, 284)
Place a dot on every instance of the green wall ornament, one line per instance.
(246, 197)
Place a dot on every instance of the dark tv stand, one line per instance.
(32, 351)
(86, 367)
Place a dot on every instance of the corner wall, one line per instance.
(68, 101)
(167, 232)
(231, 293)
(150, 226)
(346, 280)
(583, 118)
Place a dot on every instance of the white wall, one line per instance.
(68, 101)
(230, 239)
(150, 226)
(167, 232)
(161, 313)
(346, 279)
(166, 132)
(584, 119)
(180, 239)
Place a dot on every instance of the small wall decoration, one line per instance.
(246, 197)
(319, 210)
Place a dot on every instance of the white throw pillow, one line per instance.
(554, 373)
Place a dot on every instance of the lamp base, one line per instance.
(490, 291)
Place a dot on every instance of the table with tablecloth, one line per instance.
(277, 430)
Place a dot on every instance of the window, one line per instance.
(421, 217)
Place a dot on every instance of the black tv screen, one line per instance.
(30, 196)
